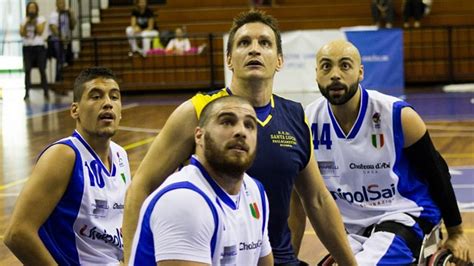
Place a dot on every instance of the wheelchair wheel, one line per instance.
(440, 258)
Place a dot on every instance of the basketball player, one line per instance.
(71, 209)
(284, 155)
(228, 208)
(379, 164)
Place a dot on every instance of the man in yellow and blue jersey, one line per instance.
(284, 154)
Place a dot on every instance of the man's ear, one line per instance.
(279, 62)
(74, 110)
(361, 73)
(198, 136)
(229, 63)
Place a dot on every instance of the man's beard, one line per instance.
(221, 162)
(349, 92)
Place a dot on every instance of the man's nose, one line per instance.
(254, 48)
(240, 130)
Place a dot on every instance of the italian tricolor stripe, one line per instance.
(254, 210)
(377, 140)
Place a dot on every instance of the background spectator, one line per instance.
(34, 49)
(412, 8)
(61, 25)
(179, 44)
(142, 25)
(382, 11)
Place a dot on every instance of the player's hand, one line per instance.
(459, 245)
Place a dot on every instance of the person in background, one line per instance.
(180, 44)
(415, 9)
(142, 24)
(61, 24)
(382, 12)
(80, 182)
(34, 47)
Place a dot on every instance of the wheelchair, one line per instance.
(430, 253)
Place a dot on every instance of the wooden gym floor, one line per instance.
(27, 127)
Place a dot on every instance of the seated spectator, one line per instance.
(415, 9)
(61, 25)
(34, 49)
(142, 25)
(179, 44)
(382, 11)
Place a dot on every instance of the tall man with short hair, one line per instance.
(284, 157)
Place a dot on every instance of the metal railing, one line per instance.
(440, 55)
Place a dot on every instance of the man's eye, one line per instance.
(250, 125)
(244, 43)
(346, 66)
(325, 66)
(265, 43)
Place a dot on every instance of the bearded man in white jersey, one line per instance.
(378, 162)
(210, 212)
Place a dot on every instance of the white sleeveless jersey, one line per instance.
(238, 229)
(86, 225)
(366, 171)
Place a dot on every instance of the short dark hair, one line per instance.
(251, 17)
(87, 75)
(207, 111)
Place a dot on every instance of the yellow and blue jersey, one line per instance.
(283, 151)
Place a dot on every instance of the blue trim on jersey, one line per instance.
(334, 123)
(92, 152)
(264, 203)
(358, 124)
(57, 232)
(219, 191)
(145, 250)
(409, 185)
(360, 118)
(397, 254)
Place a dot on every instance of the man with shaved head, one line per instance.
(378, 162)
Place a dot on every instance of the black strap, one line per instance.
(403, 231)
(425, 226)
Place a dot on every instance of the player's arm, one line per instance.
(266, 255)
(46, 185)
(424, 157)
(266, 260)
(323, 213)
(173, 145)
(296, 221)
